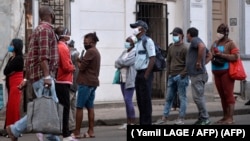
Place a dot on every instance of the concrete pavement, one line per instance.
(114, 113)
(109, 113)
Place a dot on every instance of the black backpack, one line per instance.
(160, 58)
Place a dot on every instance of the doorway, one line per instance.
(155, 15)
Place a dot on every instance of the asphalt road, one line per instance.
(111, 133)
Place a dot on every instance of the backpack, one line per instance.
(160, 62)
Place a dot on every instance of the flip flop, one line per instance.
(87, 135)
(80, 136)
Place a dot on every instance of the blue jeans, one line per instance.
(173, 87)
(198, 89)
(20, 126)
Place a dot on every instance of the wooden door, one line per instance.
(219, 14)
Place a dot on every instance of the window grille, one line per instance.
(58, 7)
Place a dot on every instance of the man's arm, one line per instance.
(150, 66)
(46, 73)
(209, 56)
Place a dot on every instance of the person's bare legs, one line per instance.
(79, 117)
(91, 118)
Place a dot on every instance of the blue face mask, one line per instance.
(176, 39)
(127, 45)
(10, 48)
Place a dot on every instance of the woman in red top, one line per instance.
(64, 77)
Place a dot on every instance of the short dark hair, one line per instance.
(193, 32)
(223, 28)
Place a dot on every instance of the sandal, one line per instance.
(80, 136)
(87, 135)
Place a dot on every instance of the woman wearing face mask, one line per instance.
(64, 77)
(223, 47)
(13, 72)
(125, 63)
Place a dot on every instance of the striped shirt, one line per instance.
(42, 46)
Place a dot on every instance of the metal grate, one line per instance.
(155, 15)
(58, 6)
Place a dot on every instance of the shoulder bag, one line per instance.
(117, 76)
(236, 70)
(44, 115)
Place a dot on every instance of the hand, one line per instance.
(47, 83)
(198, 66)
(22, 84)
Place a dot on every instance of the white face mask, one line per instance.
(136, 31)
(67, 37)
(219, 36)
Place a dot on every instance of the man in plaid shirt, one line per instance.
(41, 65)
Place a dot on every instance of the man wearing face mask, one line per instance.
(177, 77)
(64, 77)
(41, 64)
(125, 63)
(144, 63)
(223, 47)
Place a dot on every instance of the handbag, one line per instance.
(44, 115)
(117, 75)
(1, 97)
(236, 70)
(218, 61)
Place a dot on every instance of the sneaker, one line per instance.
(161, 121)
(69, 139)
(39, 136)
(248, 102)
(123, 127)
(179, 121)
(202, 122)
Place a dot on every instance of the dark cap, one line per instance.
(177, 30)
(71, 43)
(139, 23)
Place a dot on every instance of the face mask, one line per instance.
(127, 45)
(66, 37)
(136, 31)
(87, 47)
(10, 49)
(219, 36)
(68, 42)
(176, 39)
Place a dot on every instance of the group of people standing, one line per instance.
(184, 64)
(53, 63)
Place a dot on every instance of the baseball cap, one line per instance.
(139, 23)
(177, 30)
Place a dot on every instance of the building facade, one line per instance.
(110, 19)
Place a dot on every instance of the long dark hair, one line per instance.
(18, 46)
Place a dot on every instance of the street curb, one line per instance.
(193, 115)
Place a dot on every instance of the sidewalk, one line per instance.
(114, 113)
